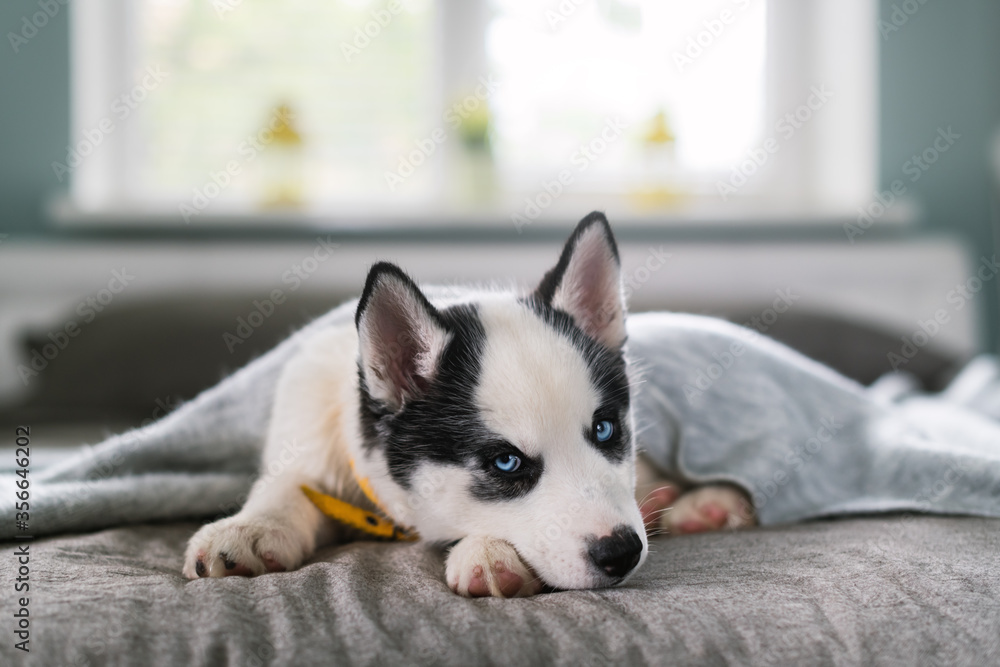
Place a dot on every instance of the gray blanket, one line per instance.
(900, 591)
(713, 402)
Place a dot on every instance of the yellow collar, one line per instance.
(354, 516)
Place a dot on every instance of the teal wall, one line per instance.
(941, 68)
(34, 113)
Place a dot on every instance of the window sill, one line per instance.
(694, 219)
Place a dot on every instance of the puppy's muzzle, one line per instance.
(617, 554)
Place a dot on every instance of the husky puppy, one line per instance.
(498, 422)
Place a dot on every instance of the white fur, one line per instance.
(535, 391)
(488, 558)
(315, 415)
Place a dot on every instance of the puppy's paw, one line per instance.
(245, 547)
(482, 566)
(708, 508)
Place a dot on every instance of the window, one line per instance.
(663, 70)
(479, 109)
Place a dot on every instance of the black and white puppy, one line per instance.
(500, 422)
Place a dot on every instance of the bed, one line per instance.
(887, 589)
(902, 590)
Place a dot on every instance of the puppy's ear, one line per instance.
(586, 283)
(400, 336)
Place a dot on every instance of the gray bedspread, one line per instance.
(873, 591)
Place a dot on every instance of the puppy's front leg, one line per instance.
(279, 527)
(480, 566)
(275, 531)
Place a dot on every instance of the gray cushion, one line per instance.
(900, 590)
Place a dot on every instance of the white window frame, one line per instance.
(100, 50)
(836, 162)
(826, 172)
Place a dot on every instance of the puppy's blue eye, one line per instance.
(507, 462)
(604, 429)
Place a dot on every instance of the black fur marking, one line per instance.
(550, 283)
(607, 374)
(494, 484)
(442, 425)
(375, 274)
(607, 366)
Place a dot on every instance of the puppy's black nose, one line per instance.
(618, 553)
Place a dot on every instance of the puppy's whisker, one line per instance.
(662, 511)
(646, 497)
